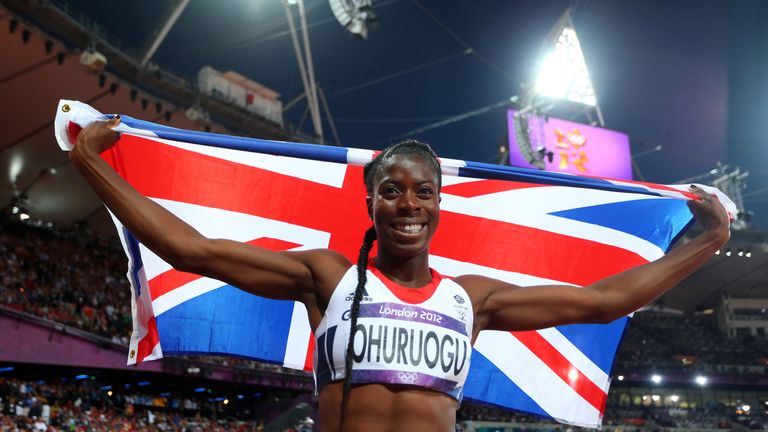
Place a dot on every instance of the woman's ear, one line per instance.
(369, 204)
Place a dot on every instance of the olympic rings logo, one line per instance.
(407, 377)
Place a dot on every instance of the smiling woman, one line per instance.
(393, 336)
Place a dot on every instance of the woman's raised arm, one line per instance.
(259, 271)
(502, 306)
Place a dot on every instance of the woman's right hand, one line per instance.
(98, 137)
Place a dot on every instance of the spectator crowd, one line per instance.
(76, 406)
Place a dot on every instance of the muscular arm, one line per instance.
(263, 272)
(502, 306)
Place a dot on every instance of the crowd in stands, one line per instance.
(690, 344)
(74, 279)
(77, 406)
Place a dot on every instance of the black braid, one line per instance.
(362, 278)
(409, 147)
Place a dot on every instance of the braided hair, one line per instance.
(408, 147)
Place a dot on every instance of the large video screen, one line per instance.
(573, 147)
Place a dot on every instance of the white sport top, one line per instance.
(411, 336)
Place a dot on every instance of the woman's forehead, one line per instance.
(400, 165)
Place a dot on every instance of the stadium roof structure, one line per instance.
(696, 96)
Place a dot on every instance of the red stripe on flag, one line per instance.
(485, 187)
(563, 368)
(148, 342)
(308, 363)
(73, 130)
(168, 281)
(529, 250)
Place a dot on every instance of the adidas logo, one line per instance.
(366, 297)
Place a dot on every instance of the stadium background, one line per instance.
(685, 76)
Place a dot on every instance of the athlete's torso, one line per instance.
(406, 336)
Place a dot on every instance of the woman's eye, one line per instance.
(389, 191)
(425, 191)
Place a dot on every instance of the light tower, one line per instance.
(562, 88)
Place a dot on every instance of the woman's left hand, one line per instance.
(710, 213)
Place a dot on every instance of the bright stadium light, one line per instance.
(655, 398)
(656, 379)
(674, 398)
(621, 377)
(746, 408)
(701, 380)
(563, 73)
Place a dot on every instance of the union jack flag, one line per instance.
(522, 226)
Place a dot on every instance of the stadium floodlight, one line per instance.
(674, 398)
(355, 15)
(656, 379)
(701, 380)
(563, 72)
(746, 408)
(655, 398)
(621, 377)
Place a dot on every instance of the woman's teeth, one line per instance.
(410, 229)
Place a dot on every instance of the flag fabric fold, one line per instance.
(523, 226)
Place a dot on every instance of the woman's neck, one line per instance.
(410, 272)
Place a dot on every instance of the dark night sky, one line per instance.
(691, 76)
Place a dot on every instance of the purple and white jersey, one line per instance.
(410, 336)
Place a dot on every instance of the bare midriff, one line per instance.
(387, 408)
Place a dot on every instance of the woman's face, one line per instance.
(405, 205)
